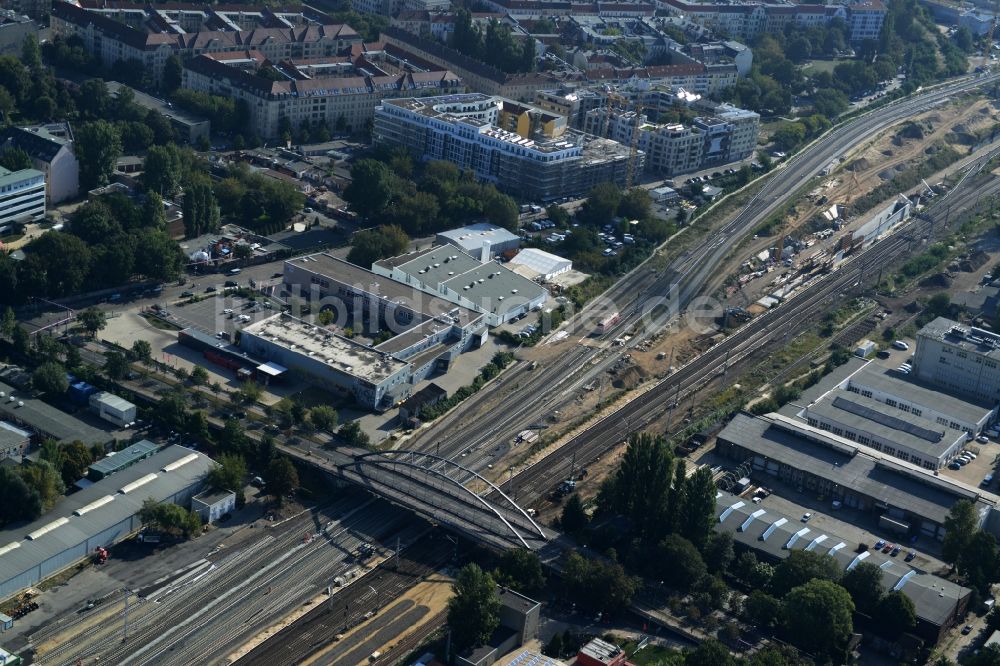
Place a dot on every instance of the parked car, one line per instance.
(806, 517)
(187, 294)
(209, 289)
(983, 439)
(910, 555)
(895, 551)
(888, 548)
(900, 345)
(955, 466)
(966, 630)
(880, 544)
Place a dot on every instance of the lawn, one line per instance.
(814, 66)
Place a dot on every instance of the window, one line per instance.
(866, 394)
(917, 412)
(891, 402)
(942, 421)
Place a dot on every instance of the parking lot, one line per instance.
(216, 312)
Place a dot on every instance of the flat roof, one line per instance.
(968, 338)
(11, 435)
(601, 650)
(766, 530)
(878, 377)
(115, 462)
(433, 265)
(472, 237)
(111, 400)
(89, 512)
(325, 346)
(272, 369)
(890, 423)
(396, 292)
(213, 495)
(823, 455)
(46, 419)
(540, 261)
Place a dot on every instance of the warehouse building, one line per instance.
(117, 461)
(959, 359)
(101, 515)
(446, 272)
(536, 264)
(375, 378)
(904, 498)
(45, 421)
(113, 408)
(883, 410)
(482, 241)
(939, 604)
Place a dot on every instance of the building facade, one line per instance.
(339, 92)
(960, 359)
(22, 197)
(462, 129)
(113, 409)
(148, 34)
(50, 148)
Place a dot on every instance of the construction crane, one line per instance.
(988, 47)
(633, 151)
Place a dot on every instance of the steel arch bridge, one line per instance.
(415, 466)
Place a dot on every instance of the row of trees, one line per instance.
(496, 47)
(438, 197)
(970, 549)
(110, 242)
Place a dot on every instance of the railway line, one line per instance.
(752, 340)
(654, 296)
(198, 620)
(352, 606)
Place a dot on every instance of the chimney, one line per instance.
(485, 255)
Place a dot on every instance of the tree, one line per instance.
(353, 435)
(800, 567)
(521, 570)
(170, 517)
(92, 320)
(959, 527)
(640, 486)
(699, 506)
(50, 377)
(817, 616)
(15, 159)
(323, 417)
(679, 563)
(710, 653)
(141, 351)
(8, 323)
(718, 552)
(978, 562)
(864, 584)
(281, 477)
(601, 204)
(598, 585)
(200, 209)
(57, 264)
(789, 135)
(474, 610)
(371, 187)
(249, 392)
(45, 480)
(97, 146)
(18, 500)
(162, 170)
(988, 656)
(762, 610)
(116, 365)
(230, 474)
(31, 54)
(370, 245)
(173, 69)
(153, 214)
(74, 459)
(636, 204)
(199, 376)
(574, 518)
(896, 615)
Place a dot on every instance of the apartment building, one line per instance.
(150, 34)
(50, 148)
(747, 21)
(673, 148)
(960, 359)
(338, 91)
(22, 197)
(463, 129)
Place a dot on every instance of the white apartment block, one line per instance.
(747, 21)
(22, 197)
(462, 129)
(50, 148)
(959, 359)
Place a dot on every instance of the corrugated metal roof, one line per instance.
(68, 530)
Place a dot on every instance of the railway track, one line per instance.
(353, 606)
(643, 292)
(751, 340)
